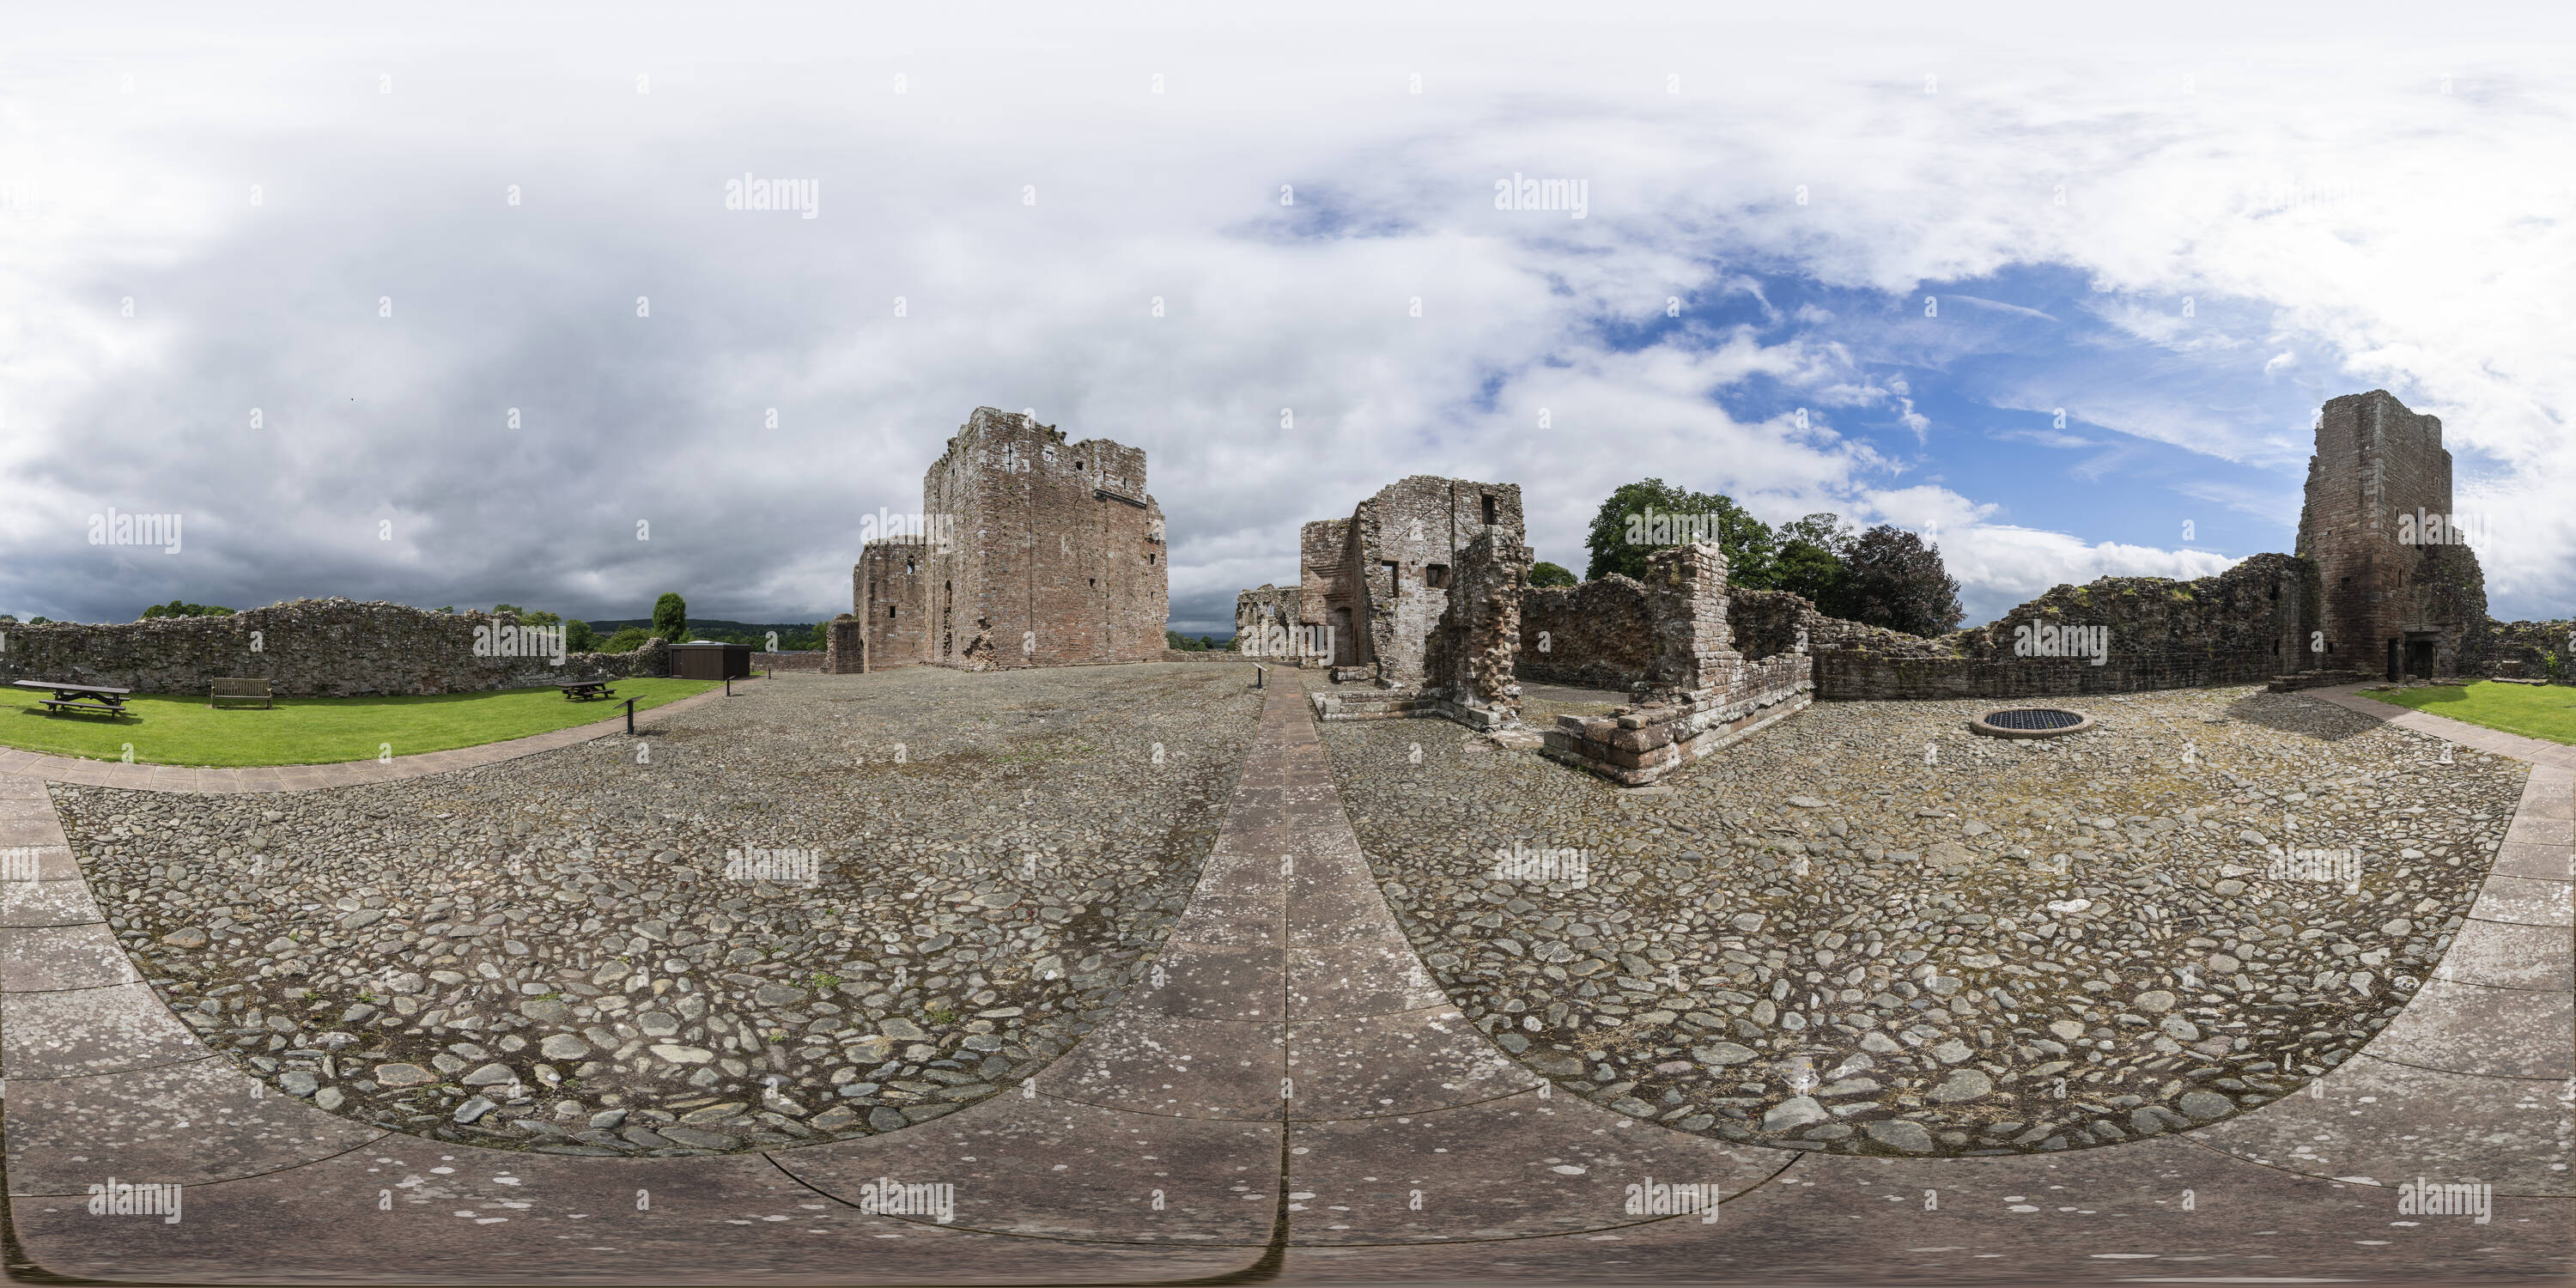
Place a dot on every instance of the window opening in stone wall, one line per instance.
(1435, 576)
(889, 612)
(1489, 509)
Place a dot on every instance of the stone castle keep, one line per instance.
(2400, 591)
(1032, 552)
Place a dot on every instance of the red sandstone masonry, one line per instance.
(1053, 555)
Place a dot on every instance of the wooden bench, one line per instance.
(240, 689)
(94, 698)
(584, 690)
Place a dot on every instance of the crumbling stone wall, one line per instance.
(1327, 595)
(1387, 570)
(1035, 552)
(2388, 607)
(1703, 694)
(304, 648)
(1596, 635)
(1268, 625)
(845, 645)
(2523, 650)
(792, 660)
(1468, 663)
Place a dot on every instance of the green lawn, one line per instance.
(312, 731)
(2532, 710)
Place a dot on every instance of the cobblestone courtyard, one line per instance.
(555, 952)
(1865, 930)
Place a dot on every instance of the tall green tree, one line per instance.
(1544, 573)
(579, 637)
(1623, 533)
(1900, 583)
(671, 617)
(1812, 562)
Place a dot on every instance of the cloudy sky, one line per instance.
(2064, 293)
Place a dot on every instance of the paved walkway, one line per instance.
(1287, 1097)
(304, 778)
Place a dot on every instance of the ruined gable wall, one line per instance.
(1594, 635)
(1411, 533)
(2375, 461)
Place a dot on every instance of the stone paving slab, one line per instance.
(2503, 955)
(1366, 978)
(1505, 1169)
(2156, 1211)
(2381, 1123)
(1243, 984)
(1384, 1065)
(91, 1030)
(2467, 1028)
(1172, 1067)
(2524, 901)
(49, 900)
(2535, 862)
(1047, 1168)
(193, 1123)
(36, 959)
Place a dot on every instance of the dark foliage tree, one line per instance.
(1544, 573)
(671, 617)
(1899, 583)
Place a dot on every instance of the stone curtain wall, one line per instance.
(1596, 635)
(1854, 675)
(2527, 650)
(2258, 606)
(308, 648)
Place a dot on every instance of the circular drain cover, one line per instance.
(2029, 722)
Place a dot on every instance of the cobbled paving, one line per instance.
(1865, 930)
(614, 948)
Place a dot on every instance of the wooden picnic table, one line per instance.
(80, 697)
(584, 690)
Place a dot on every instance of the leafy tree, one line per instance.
(38, 621)
(528, 616)
(181, 608)
(1900, 583)
(1544, 573)
(579, 637)
(671, 617)
(626, 641)
(1746, 541)
(1173, 639)
(1813, 551)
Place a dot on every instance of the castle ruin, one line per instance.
(2400, 588)
(1031, 551)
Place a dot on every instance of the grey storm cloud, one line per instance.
(1037, 193)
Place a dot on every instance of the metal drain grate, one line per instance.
(2034, 718)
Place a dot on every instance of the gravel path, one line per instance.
(1816, 939)
(560, 953)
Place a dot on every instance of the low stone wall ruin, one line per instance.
(1596, 635)
(2521, 650)
(303, 648)
(799, 660)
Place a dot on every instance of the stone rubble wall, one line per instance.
(307, 648)
(1595, 635)
(1704, 695)
(1849, 675)
(1468, 662)
(2524, 650)
(845, 646)
(799, 660)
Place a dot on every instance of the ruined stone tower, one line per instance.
(2397, 586)
(1380, 578)
(1031, 551)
